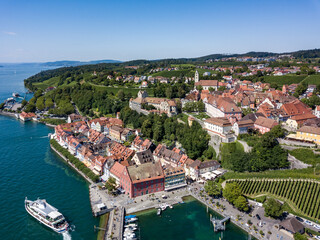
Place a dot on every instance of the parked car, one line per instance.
(316, 226)
(258, 217)
(299, 219)
(308, 222)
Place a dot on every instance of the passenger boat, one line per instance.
(47, 215)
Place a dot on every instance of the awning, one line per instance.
(98, 168)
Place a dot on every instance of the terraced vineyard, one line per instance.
(301, 194)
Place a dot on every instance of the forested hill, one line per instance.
(147, 65)
(67, 63)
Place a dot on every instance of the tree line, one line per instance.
(161, 128)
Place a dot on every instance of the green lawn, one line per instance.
(133, 91)
(306, 156)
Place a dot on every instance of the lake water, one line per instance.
(30, 169)
(189, 221)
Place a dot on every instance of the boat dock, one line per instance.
(219, 225)
(115, 224)
(98, 206)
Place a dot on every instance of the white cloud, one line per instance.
(10, 33)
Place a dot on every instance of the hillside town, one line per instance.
(139, 169)
(187, 135)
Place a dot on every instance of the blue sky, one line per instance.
(38, 31)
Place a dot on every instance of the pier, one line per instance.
(115, 224)
(219, 225)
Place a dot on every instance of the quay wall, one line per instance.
(224, 215)
(70, 164)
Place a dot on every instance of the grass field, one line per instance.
(287, 79)
(306, 155)
(133, 91)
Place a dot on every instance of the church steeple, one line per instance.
(196, 76)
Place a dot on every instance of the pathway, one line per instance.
(265, 224)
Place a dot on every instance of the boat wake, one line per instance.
(66, 236)
(44, 137)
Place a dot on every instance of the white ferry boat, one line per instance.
(46, 214)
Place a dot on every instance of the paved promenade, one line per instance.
(115, 224)
(240, 219)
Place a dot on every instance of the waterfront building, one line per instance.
(26, 116)
(174, 178)
(142, 179)
(197, 168)
(116, 172)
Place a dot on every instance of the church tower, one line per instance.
(196, 76)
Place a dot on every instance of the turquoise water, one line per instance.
(189, 221)
(29, 168)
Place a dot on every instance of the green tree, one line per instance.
(241, 203)
(232, 192)
(38, 93)
(111, 184)
(49, 102)
(146, 128)
(211, 89)
(213, 188)
(222, 88)
(210, 153)
(169, 92)
(299, 236)
(24, 102)
(121, 95)
(40, 103)
(273, 208)
(199, 88)
(30, 108)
